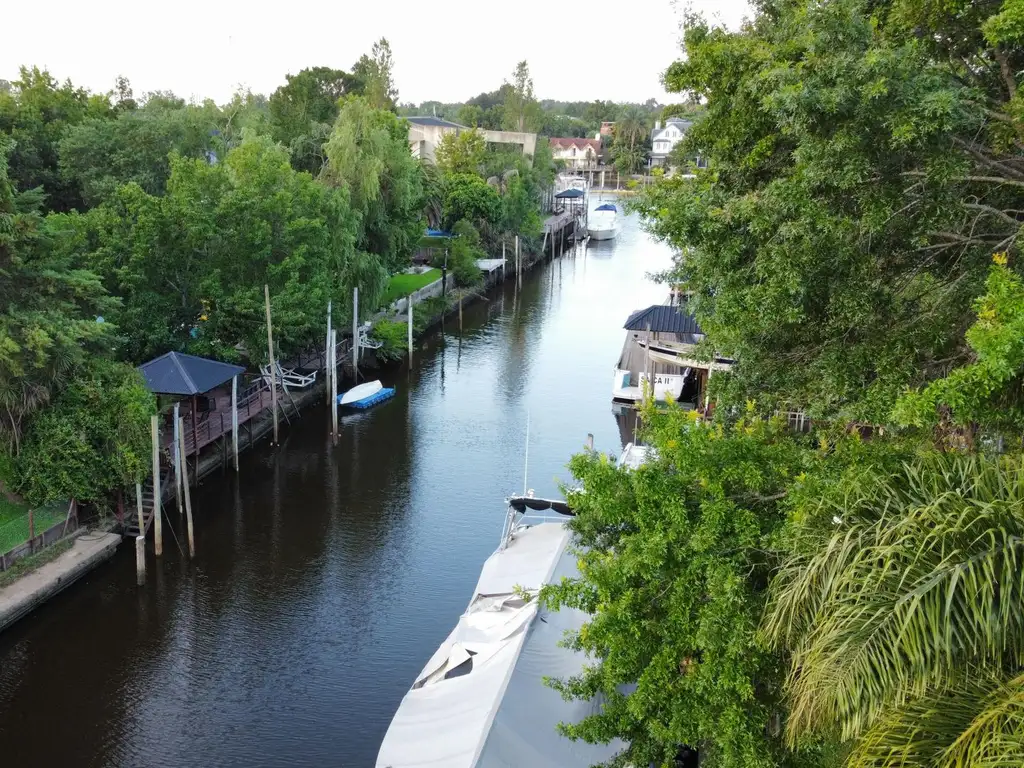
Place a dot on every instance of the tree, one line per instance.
(673, 571)
(461, 152)
(35, 113)
(48, 311)
(470, 115)
(368, 155)
(521, 111)
(376, 72)
(901, 606)
(464, 251)
(93, 438)
(303, 111)
(629, 147)
(849, 222)
(469, 197)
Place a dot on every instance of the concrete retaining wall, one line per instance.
(426, 292)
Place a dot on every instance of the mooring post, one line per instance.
(460, 314)
(519, 261)
(334, 385)
(234, 417)
(177, 463)
(273, 366)
(158, 527)
(355, 333)
(409, 330)
(188, 503)
(138, 508)
(140, 559)
(503, 260)
(327, 349)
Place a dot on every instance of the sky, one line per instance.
(444, 50)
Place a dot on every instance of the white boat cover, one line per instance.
(361, 391)
(481, 701)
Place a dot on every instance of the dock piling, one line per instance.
(140, 559)
(408, 302)
(177, 462)
(188, 501)
(333, 373)
(355, 333)
(273, 366)
(234, 418)
(158, 527)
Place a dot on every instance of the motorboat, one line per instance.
(481, 700)
(603, 223)
(365, 395)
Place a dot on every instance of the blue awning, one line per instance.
(437, 233)
(569, 194)
(179, 374)
(606, 207)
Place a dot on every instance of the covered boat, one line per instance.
(603, 223)
(481, 700)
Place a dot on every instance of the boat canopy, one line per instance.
(662, 318)
(481, 701)
(179, 374)
(522, 503)
(607, 207)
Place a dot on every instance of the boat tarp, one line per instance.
(607, 207)
(481, 699)
(179, 374)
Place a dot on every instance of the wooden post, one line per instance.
(158, 526)
(234, 418)
(273, 366)
(355, 333)
(460, 314)
(334, 385)
(188, 504)
(178, 436)
(138, 508)
(31, 530)
(502, 259)
(327, 351)
(519, 261)
(409, 330)
(140, 559)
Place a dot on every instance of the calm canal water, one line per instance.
(327, 576)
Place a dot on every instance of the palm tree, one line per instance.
(905, 619)
(630, 137)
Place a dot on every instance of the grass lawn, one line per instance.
(14, 522)
(402, 285)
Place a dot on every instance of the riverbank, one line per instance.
(47, 580)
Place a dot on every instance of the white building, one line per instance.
(426, 132)
(665, 138)
(577, 153)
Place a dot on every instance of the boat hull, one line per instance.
(603, 233)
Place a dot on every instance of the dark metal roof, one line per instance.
(431, 120)
(180, 374)
(569, 194)
(663, 319)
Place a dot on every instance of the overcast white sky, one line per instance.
(449, 50)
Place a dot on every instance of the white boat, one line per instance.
(360, 392)
(603, 223)
(481, 700)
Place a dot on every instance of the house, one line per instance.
(577, 153)
(426, 131)
(665, 138)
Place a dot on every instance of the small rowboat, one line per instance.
(365, 395)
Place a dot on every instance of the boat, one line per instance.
(660, 354)
(481, 700)
(603, 223)
(365, 395)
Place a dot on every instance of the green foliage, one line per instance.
(631, 141)
(35, 112)
(48, 311)
(368, 155)
(903, 616)
(846, 228)
(464, 253)
(94, 437)
(674, 570)
(988, 390)
(469, 197)
(303, 110)
(461, 152)
(375, 72)
(394, 337)
(521, 112)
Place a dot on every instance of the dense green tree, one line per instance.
(864, 170)
(368, 154)
(35, 112)
(463, 253)
(94, 437)
(673, 569)
(48, 311)
(461, 152)
(631, 141)
(470, 115)
(468, 197)
(303, 110)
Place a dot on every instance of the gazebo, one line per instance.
(187, 376)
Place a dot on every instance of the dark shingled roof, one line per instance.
(663, 319)
(179, 374)
(431, 120)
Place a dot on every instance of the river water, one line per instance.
(326, 575)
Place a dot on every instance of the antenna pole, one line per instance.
(526, 460)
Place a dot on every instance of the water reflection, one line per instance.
(327, 574)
